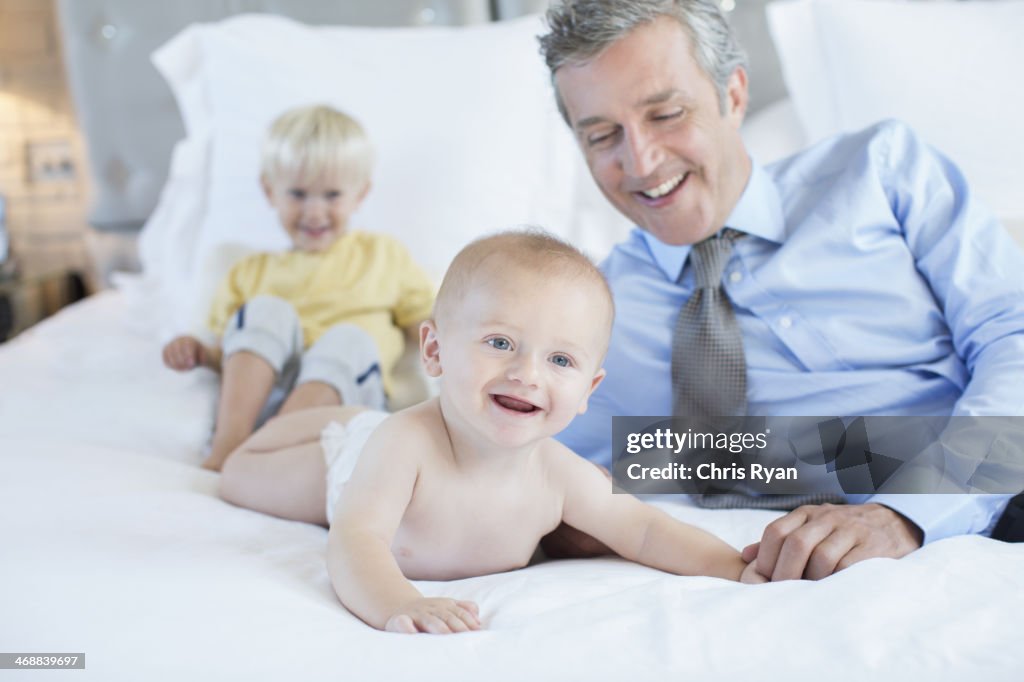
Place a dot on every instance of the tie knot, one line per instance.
(708, 259)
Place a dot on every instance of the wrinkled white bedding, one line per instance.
(114, 543)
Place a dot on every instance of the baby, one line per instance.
(324, 320)
(467, 483)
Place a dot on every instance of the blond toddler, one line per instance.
(323, 321)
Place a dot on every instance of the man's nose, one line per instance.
(641, 153)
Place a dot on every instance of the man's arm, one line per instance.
(976, 273)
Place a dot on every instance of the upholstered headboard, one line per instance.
(124, 108)
(131, 123)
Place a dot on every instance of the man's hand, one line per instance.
(436, 615)
(184, 353)
(815, 541)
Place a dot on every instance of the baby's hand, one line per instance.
(436, 615)
(184, 353)
(751, 576)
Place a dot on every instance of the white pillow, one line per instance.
(951, 70)
(774, 132)
(467, 138)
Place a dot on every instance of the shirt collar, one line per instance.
(757, 213)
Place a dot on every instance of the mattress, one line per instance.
(116, 545)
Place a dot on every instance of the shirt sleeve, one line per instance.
(972, 265)
(976, 273)
(943, 516)
(226, 301)
(416, 292)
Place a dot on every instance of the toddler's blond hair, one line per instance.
(315, 140)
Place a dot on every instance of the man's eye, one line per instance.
(600, 138)
(562, 360)
(668, 115)
(500, 343)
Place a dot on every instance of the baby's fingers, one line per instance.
(469, 606)
(432, 624)
(401, 623)
(469, 612)
(456, 621)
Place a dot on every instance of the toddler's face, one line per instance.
(313, 208)
(521, 355)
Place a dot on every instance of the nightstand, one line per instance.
(25, 299)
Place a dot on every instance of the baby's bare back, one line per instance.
(469, 518)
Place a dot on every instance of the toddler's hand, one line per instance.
(751, 576)
(436, 615)
(184, 353)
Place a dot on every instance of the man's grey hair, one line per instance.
(582, 29)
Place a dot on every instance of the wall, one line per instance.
(46, 209)
(748, 20)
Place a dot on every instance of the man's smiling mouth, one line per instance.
(664, 188)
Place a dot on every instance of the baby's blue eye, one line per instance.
(500, 343)
(297, 193)
(561, 360)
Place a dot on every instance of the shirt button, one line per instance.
(786, 322)
(735, 276)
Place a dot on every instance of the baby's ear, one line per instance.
(430, 349)
(595, 382)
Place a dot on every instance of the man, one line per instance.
(863, 277)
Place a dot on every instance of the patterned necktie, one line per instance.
(709, 369)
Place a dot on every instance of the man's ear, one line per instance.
(430, 349)
(598, 378)
(737, 96)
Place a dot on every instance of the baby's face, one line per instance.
(313, 209)
(521, 354)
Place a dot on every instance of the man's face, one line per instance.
(651, 129)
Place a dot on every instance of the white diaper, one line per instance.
(342, 446)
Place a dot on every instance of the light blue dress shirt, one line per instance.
(871, 282)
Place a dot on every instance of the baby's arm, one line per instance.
(187, 352)
(638, 531)
(362, 567)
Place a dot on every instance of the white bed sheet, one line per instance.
(115, 544)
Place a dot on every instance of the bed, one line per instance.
(117, 546)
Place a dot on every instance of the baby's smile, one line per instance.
(514, 404)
